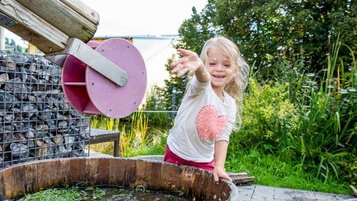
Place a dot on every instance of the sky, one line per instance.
(139, 17)
(142, 17)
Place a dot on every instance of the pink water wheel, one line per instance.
(91, 93)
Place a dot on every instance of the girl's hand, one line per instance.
(220, 173)
(189, 62)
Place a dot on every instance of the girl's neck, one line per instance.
(219, 93)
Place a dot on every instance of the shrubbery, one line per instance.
(313, 123)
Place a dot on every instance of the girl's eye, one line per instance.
(212, 64)
(227, 65)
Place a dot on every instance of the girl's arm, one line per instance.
(220, 153)
(190, 62)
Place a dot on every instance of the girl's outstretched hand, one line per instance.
(189, 62)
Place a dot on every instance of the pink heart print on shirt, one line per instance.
(209, 124)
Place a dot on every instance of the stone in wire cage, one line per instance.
(36, 121)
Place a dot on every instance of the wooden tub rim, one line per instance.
(36, 176)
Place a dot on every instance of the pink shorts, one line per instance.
(171, 157)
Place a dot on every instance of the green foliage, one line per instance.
(267, 30)
(198, 29)
(106, 193)
(305, 119)
(62, 194)
(155, 99)
(156, 107)
(105, 123)
(268, 117)
(156, 147)
(350, 169)
(174, 86)
(136, 137)
(325, 137)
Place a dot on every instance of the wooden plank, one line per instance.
(241, 178)
(14, 181)
(83, 10)
(32, 28)
(63, 17)
(354, 191)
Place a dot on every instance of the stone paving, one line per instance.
(266, 193)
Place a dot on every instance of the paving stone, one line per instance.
(245, 193)
(267, 193)
(301, 195)
(326, 197)
(346, 197)
(263, 193)
(329, 196)
(283, 194)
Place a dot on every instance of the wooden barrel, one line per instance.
(21, 179)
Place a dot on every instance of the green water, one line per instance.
(105, 194)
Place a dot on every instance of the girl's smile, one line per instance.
(220, 68)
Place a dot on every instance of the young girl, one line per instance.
(208, 111)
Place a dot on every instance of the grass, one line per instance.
(269, 171)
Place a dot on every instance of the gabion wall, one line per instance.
(36, 121)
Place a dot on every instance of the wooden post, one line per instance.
(49, 24)
(2, 38)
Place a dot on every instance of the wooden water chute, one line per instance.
(107, 78)
(18, 180)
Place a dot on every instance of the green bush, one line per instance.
(268, 117)
(325, 138)
(305, 118)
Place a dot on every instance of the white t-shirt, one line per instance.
(201, 120)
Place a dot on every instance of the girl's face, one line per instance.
(220, 67)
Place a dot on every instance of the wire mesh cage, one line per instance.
(36, 121)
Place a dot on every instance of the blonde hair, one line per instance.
(237, 85)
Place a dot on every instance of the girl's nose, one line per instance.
(220, 67)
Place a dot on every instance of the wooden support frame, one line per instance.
(49, 24)
(65, 18)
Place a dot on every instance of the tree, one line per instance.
(269, 30)
(13, 43)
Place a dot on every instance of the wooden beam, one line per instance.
(83, 10)
(241, 178)
(72, 20)
(354, 191)
(32, 28)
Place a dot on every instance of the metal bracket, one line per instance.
(92, 58)
(6, 21)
